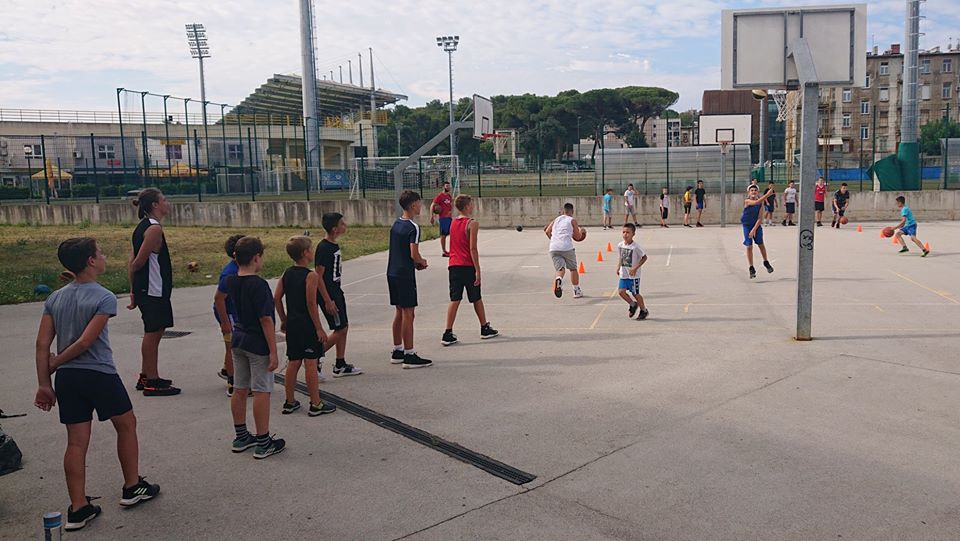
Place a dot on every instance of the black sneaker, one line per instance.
(904, 249)
(819, 224)
(784, 223)
(632, 311)
(558, 287)
(699, 224)
(396, 357)
(346, 370)
(753, 273)
(643, 314)
(229, 385)
(321, 409)
(414, 361)
(791, 224)
(140, 492)
(79, 518)
(768, 266)
(487, 332)
(159, 387)
(142, 381)
(448, 338)
(223, 374)
(242, 443)
(272, 447)
(290, 407)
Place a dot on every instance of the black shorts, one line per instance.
(664, 212)
(818, 205)
(403, 291)
(156, 313)
(686, 208)
(302, 342)
(339, 320)
(791, 208)
(461, 278)
(768, 208)
(839, 212)
(80, 391)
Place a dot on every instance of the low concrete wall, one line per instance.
(491, 211)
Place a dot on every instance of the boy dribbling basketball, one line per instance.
(632, 257)
(752, 230)
(561, 232)
(907, 226)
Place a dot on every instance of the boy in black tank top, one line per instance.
(301, 323)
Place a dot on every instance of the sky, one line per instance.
(73, 54)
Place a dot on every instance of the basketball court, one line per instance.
(707, 420)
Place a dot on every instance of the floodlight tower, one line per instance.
(197, 40)
(449, 45)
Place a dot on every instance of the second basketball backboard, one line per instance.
(727, 129)
(756, 45)
(482, 117)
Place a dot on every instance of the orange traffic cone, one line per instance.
(599, 256)
(893, 240)
(609, 247)
(926, 246)
(582, 270)
(859, 228)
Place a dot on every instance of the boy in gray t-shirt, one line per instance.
(76, 315)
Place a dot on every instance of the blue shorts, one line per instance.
(445, 225)
(909, 230)
(699, 205)
(231, 317)
(629, 284)
(758, 238)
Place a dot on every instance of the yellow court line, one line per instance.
(931, 290)
(602, 310)
(877, 306)
(686, 308)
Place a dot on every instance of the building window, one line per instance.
(925, 65)
(234, 151)
(867, 81)
(864, 107)
(947, 65)
(884, 68)
(884, 120)
(947, 90)
(174, 152)
(106, 152)
(882, 144)
(864, 133)
(35, 151)
(924, 92)
(846, 120)
(847, 95)
(884, 93)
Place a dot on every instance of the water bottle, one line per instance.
(52, 526)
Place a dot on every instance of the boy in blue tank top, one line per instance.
(752, 230)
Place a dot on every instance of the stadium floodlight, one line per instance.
(449, 45)
(199, 49)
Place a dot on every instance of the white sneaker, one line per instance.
(577, 292)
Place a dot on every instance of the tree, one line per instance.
(646, 102)
(932, 132)
(602, 109)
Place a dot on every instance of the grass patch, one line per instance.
(30, 253)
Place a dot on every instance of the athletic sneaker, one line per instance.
(632, 311)
(272, 447)
(687, 225)
(230, 386)
(558, 287)
(768, 266)
(290, 407)
(346, 370)
(142, 380)
(159, 387)
(577, 292)
(924, 254)
(396, 357)
(415, 361)
(784, 222)
(446, 254)
(486, 331)
(242, 443)
(904, 249)
(140, 492)
(643, 314)
(791, 223)
(819, 224)
(321, 409)
(448, 338)
(320, 377)
(699, 224)
(79, 518)
(753, 273)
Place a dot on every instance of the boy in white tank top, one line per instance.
(562, 232)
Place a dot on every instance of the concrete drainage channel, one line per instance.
(451, 449)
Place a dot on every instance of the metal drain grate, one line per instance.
(455, 450)
(175, 334)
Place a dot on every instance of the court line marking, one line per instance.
(602, 310)
(669, 255)
(931, 290)
(877, 306)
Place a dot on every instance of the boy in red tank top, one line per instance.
(465, 270)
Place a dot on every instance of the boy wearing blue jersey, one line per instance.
(907, 226)
(752, 230)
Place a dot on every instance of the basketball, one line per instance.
(193, 266)
(580, 235)
(888, 232)
(844, 220)
(519, 228)
(437, 209)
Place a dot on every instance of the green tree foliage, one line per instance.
(932, 132)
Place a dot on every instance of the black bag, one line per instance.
(10, 455)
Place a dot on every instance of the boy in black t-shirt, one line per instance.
(254, 350)
(403, 262)
(841, 199)
(701, 197)
(301, 323)
(329, 269)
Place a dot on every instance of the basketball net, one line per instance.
(786, 104)
(723, 146)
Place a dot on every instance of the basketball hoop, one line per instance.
(786, 104)
(488, 136)
(723, 146)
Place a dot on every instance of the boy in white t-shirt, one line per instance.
(630, 202)
(664, 207)
(632, 257)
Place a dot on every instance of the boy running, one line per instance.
(301, 323)
(630, 201)
(77, 315)
(841, 199)
(254, 351)
(907, 226)
(819, 198)
(329, 267)
(687, 205)
(440, 210)
(224, 311)
(770, 205)
(608, 209)
(701, 196)
(789, 204)
(632, 257)
(403, 262)
(560, 232)
(752, 231)
(464, 270)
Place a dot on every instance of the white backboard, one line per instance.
(755, 45)
(482, 117)
(735, 129)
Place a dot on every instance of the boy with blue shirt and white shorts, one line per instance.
(907, 226)
(632, 257)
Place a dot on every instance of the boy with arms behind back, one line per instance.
(403, 261)
(329, 267)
